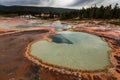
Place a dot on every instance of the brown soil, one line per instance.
(13, 64)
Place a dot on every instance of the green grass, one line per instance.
(115, 22)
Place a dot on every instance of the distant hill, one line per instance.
(31, 9)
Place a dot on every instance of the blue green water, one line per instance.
(74, 50)
(56, 26)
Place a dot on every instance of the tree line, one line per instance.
(102, 12)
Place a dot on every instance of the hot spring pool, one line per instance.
(73, 50)
(56, 26)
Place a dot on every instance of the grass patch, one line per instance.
(115, 22)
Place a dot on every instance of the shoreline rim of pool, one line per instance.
(66, 69)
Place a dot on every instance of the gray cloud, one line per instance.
(21, 2)
(79, 2)
(86, 2)
(59, 3)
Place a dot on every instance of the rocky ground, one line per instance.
(15, 66)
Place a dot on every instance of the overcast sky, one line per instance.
(59, 3)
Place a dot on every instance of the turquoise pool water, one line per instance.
(56, 26)
(74, 50)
